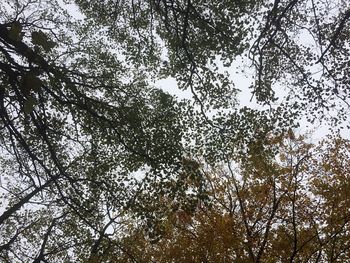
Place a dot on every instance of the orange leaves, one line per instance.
(269, 209)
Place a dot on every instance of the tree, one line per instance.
(289, 207)
(74, 130)
(88, 144)
(298, 45)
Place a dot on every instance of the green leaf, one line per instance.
(15, 32)
(29, 105)
(30, 82)
(39, 38)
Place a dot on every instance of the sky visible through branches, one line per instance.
(174, 131)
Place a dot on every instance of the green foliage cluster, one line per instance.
(91, 152)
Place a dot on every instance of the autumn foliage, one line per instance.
(124, 135)
(290, 205)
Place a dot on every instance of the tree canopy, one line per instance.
(98, 164)
(290, 207)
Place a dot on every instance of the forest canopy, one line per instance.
(99, 163)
